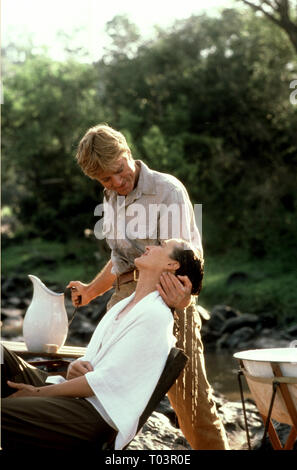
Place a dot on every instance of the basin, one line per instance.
(258, 363)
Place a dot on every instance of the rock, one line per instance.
(80, 328)
(12, 326)
(230, 329)
(292, 330)
(267, 339)
(245, 319)
(219, 315)
(27, 302)
(11, 312)
(231, 414)
(238, 337)
(159, 434)
(249, 338)
(282, 430)
(16, 302)
(209, 337)
(16, 284)
(99, 306)
(222, 320)
(222, 341)
(268, 320)
(166, 409)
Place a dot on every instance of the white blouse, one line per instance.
(128, 356)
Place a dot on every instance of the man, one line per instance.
(131, 187)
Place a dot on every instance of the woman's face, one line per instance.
(158, 257)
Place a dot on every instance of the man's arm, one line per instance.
(82, 294)
(102, 282)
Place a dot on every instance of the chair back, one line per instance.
(175, 364)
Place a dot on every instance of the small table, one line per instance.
(21, 350)
(279, 387)
(56, 363)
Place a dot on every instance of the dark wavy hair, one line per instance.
(191, 264)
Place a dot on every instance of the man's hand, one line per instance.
(78, 368)
(79, 293)
(175, 290)
(23, 390)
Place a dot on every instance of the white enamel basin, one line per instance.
(270, 355)
(257, 362)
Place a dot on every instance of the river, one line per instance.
(221, 368)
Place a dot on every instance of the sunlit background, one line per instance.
(41, 20)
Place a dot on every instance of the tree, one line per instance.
(48, 106)
(280, 13)
(124, 36)
(208, 101)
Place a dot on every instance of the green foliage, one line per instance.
(54, 261)
(262, 286)
(48, 106)
(124, 37)
(209, 102)
(206, 100)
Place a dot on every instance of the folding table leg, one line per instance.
(274, 439)
(291, 439)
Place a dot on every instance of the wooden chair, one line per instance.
(175, 364)
(57, 363)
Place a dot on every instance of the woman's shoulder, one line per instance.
(155, 307)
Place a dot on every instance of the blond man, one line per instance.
(130, 188)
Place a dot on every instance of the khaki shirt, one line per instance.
(158, 209)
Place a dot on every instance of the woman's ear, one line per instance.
(173, 265)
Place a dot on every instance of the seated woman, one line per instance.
(106, 391)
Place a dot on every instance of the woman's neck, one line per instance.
(147, 283)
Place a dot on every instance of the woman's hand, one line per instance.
(23, 390)
(78, 368)
(175, 290)
(79, 293)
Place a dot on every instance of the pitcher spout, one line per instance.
(38, 283)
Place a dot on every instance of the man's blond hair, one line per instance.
(99, 148)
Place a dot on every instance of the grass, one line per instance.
(269, 285)
(52, 261)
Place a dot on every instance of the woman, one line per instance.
(106, 391)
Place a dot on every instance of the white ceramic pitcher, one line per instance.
(46, 322)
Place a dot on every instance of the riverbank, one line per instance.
(224, 331)
(257, 285)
